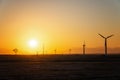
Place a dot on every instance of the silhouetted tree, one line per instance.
(15, 50)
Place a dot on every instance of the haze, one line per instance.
(61, 24)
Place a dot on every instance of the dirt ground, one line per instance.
(53, 70)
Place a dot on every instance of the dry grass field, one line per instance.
(60, 67)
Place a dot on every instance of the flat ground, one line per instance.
(60, 67)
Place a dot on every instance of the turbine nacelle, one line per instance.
(84, 43)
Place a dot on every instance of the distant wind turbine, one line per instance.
(84, 48)
(43, 49)
(70, 51)
(55, 51)
(37, 53)
(106, 42)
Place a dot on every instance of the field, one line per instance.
(59, 67)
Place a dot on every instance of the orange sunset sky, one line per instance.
(59, 24)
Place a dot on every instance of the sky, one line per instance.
(59, 24)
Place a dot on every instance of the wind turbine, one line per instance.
(70, 51)
(43, 49)
(84, 48)
(37, 53)
(106, 42)
(55, 51)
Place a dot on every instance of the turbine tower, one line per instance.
(84, 48)
(106, 42)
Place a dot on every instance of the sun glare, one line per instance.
(33, 43)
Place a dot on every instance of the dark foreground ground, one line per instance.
(60, 67)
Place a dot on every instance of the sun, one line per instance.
(33, 43)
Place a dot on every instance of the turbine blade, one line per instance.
(101, 35)
(84, 43)
(110, 36)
